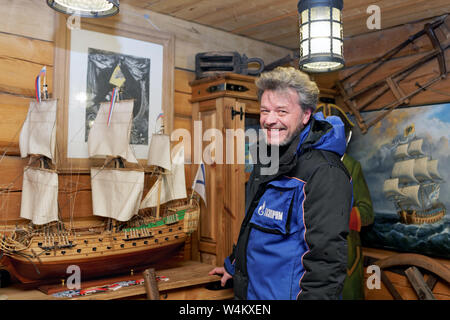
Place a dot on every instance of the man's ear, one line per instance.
(306, 116)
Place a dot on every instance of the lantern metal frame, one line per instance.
(85, 14)
(308, 61)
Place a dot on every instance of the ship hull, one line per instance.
(96, 253)
(414, 217)
(94, 267)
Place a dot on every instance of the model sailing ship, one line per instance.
(135, 233)
(415, 183)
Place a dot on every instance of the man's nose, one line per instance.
(271, 118)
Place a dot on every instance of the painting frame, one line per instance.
(380, 150)
(66, 161)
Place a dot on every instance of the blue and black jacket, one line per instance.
(292, 242)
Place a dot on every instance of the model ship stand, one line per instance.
(131, 235)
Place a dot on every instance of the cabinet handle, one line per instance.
(234, 113)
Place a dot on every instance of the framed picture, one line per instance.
(406, 163)
(88, 59)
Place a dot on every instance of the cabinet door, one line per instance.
(208, 119)
(220, 220)
(234, 172)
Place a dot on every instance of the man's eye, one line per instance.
(282, 112)
(264, 111)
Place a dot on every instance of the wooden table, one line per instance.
(187, 281)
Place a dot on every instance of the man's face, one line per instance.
(282, 116)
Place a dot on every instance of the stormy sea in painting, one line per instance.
(388, 233)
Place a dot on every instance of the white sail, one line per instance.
(112, 140)
(432, 167)
(401, 151)
(159, 151)
(38, 134)
(39, 196)
(415, 148)
(177, 175)
(116, 193)
(421, 169)
(412, 195)
(391, 189)
(172, 184)
(404, 170)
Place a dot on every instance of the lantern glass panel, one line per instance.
(320, 45)
(305, 31)
(337, 47)
(305, 16)
(336, 14)
(320, 13)
(336, 30)
(320, 29)
(304, 48)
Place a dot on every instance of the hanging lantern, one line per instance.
(321, 36)
(86, 8)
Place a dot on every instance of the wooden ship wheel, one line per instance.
(413, 264)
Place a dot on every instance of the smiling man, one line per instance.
(281, 117)
(292, 243)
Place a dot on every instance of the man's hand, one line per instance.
(223, 272)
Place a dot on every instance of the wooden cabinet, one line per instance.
(219, 104)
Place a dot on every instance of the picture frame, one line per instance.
(85, 57)
(378, 152)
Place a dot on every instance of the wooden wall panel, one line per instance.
(13, 111)
(28, 18)
(182, 79)
(182, 105)
(17, 76)
(365, 48)
(23, 48)
(10, 206)
(11, 172)
(420, 76)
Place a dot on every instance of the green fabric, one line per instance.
(354, 282)
(164, 220)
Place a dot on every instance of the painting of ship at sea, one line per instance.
(414, 183)
(212, 63)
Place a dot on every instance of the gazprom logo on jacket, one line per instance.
(269, 213)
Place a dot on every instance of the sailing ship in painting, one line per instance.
(414, 184)
(135, 233)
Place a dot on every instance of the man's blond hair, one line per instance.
(282, 78)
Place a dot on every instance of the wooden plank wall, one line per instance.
(27, 33)
(365, 48)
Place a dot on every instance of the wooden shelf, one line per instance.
(187, 281)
